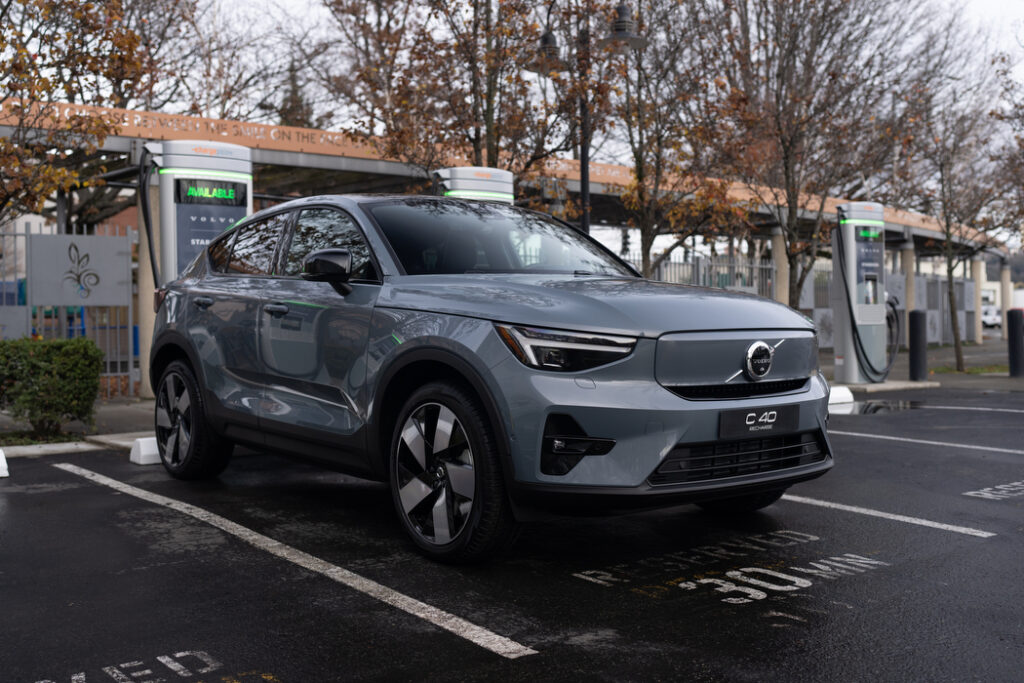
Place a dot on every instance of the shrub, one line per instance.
(50, 382)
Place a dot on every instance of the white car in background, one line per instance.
(991, 316)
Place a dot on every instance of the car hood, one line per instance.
(611, 305)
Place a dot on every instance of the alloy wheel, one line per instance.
(435, 474)
(174, 420)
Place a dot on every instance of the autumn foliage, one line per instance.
(55, 54)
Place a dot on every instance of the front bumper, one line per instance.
(648, 423)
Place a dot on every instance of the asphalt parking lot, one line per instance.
(903, 563)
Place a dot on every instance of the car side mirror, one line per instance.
(329, 265)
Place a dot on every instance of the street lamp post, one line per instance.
(623, 35)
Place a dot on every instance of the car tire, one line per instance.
(739, 505)
(187, 445)
(451, 500)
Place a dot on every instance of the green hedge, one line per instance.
(50, 382)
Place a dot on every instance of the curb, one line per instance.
(97, 442)
(892, 385)
(50, 449)
(123, 441)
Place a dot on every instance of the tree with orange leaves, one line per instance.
(667, 110)
(433, 83)
(55, 54)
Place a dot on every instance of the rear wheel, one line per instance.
(742, 504)
(446, 479)
(188, 447)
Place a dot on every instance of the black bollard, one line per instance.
(1015, 339)
(917, 340)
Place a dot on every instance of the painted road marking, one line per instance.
(123, 673)
(887, 515)
(648, 568)
(751, 583)
(829, 568)
(999, 492)
(990, 449)
(449, 622)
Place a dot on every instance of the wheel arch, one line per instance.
(414, 369)
(169, 347)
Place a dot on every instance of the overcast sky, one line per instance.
(1005, 18)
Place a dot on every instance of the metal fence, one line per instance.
(737, 274)
(112, 328)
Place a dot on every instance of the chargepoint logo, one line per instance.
(759, 360)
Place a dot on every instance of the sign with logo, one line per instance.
(205, 209)
(756, 422)
(759, 360)
(79, 270)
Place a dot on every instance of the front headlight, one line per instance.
(563, 351)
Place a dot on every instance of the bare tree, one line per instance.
(809, 82)
(966, 175)
(667, 113)
(235, 57)
(363, 62)
(430, 82)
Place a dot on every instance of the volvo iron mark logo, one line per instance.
(759, 360)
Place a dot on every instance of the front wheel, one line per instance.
(188, 447)
(742, 504)
(446, 479)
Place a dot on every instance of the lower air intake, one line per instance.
(690, 463)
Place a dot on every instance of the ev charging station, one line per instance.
(205, 188)
(475, 182)
(858, 294)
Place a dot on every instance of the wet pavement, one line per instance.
(903, 563)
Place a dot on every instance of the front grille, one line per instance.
(688, 463)
(746, 390)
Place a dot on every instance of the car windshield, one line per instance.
(435, 236)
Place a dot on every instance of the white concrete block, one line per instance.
(840, 394)
(842, 408)
(145, 452)
(3, 465)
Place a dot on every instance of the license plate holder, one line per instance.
(757, 422)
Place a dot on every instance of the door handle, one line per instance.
(203, 301)
(276, 310)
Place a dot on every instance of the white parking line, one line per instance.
(983, 410)
(971, 447)
(887, 515)
(457, 625)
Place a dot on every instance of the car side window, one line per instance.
(253, 250)
(329, 229)
(220, 252)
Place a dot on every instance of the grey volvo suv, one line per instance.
(489, 363)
